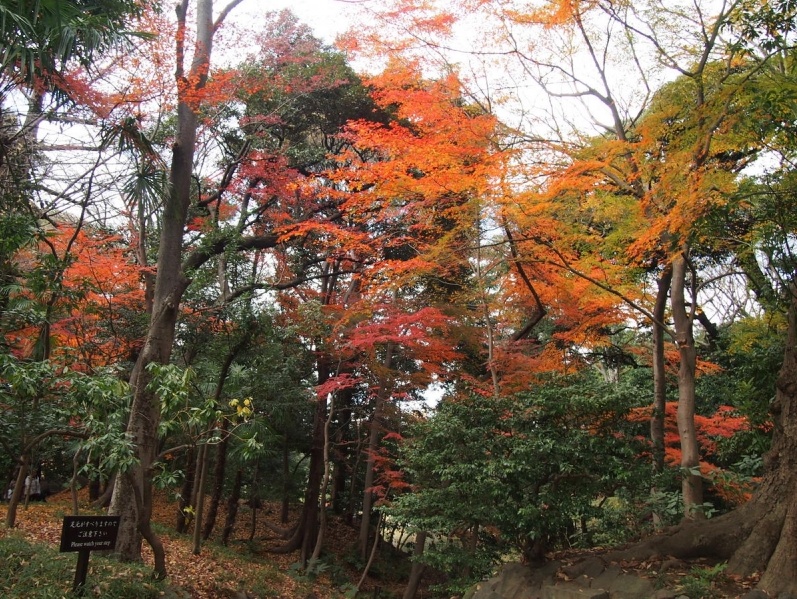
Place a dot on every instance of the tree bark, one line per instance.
(692, 482)
(341, 457)
(286, 481)
(232, 507)
(200, 500)
(374, 435)
(19, 488)
(416, 573)
(170, 285)
(219, 471)
(186, 491)
(322, 528)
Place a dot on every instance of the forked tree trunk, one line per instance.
(760, 536)
(132, 498)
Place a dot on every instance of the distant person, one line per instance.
(33, 488)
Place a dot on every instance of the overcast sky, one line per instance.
(328, 18)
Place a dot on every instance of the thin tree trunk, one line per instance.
(170, 285)
(304, 536)
(254, 503)
(286, 481)
(219, 471)
(471, 546)
(692, 482)
(322, 528)
(368, 495)
(659, 379)
(94, 484)
(200, 501)
(342, 457)
(416, 573)
(19, 490)
(232, 507)
(105, 499)
(73, 484)
(186, 492)
(372, 554)
(374, 436)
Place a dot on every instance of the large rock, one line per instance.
(591, 578)
(515, 581)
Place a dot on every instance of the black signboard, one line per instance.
(85, 534)
(89, 533)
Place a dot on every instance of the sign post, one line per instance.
(85, 534)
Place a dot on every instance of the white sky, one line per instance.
(328, 18)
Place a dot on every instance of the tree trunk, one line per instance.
(232, 507)
(659, 372)
(19, 489)
(771, 548)
(200, 500)
(286, 481)
(416, 573)
(374, 435)
(368, 496)
(692, 482)
(322, 528)
(254, 502)
(219, 471)
(132, 498)
(304, 535)
(186, 491)
(341, 457)
(471, 546)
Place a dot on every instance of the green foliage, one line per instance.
(40, 37)
(39, 397)
(313, 95)
(523, 471)
(750, 352)
(699, 583)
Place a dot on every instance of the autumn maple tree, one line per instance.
(280, 255)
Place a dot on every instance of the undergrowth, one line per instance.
(37, 571)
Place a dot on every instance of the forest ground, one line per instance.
(220, 572)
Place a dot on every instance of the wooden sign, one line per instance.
(89, 533)
(85, 534)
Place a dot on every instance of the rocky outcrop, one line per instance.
(590, 578)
